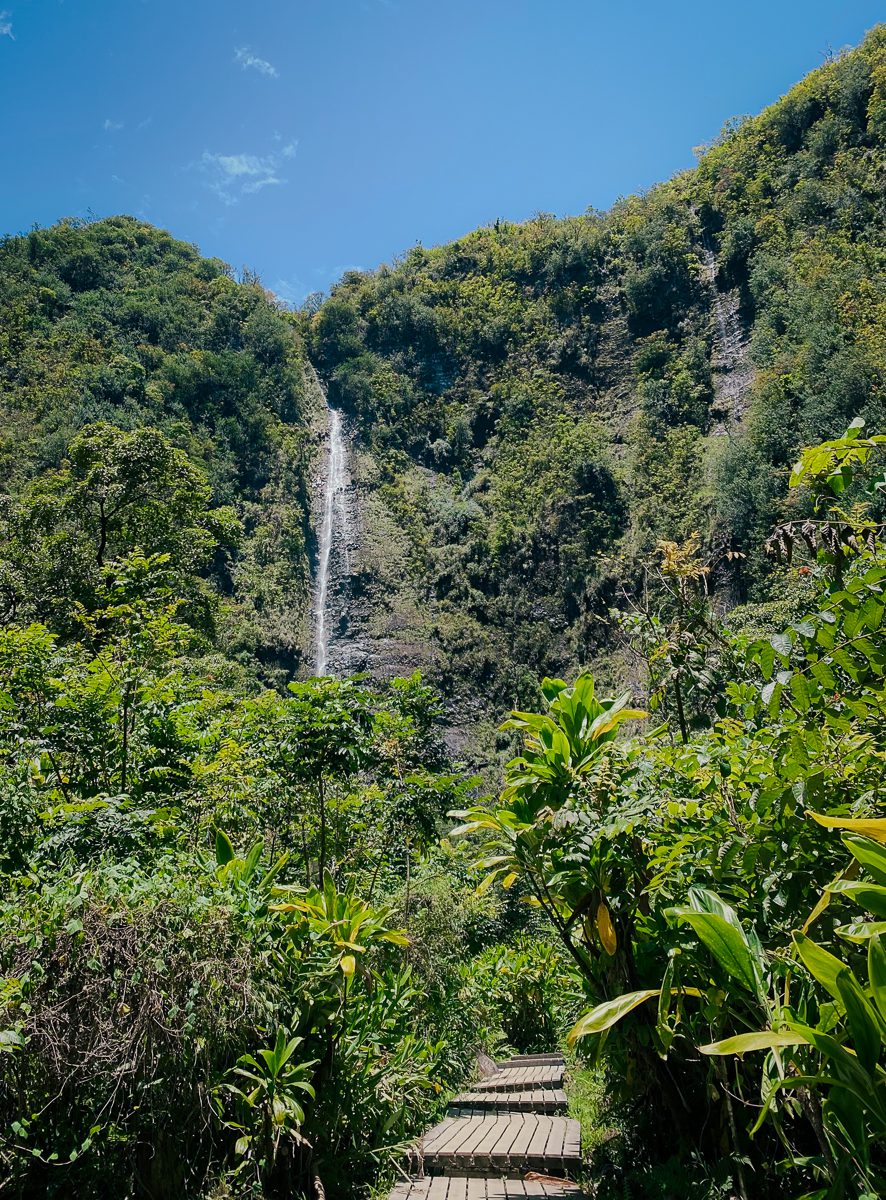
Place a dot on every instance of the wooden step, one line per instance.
(519, 1079)
(502, 1144)
(535, 1060)
(464, 1188)
(543, 1100)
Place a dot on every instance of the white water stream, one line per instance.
(334, 525)
(734, 372)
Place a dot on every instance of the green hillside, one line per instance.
(117, 322)
(546, 401)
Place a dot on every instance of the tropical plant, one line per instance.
(269, 1091)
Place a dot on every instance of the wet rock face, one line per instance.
(733, 370)
(367, 614)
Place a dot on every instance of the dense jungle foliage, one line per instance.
(546, 401)
(117, 324)
(254, 929)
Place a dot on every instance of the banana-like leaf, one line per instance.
(869, 896)
(610, 1012)
(821, 965)
(603, 1016)
(862, 1020)
(877, 973)
(861, 931)
(871, 827)
(224, 851)
(870, 854)
(395, 937)
(606, 929)
(764, 1039)
(727, 944)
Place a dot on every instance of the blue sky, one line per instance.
(303, 137)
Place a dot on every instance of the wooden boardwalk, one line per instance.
(461, 1188)
(504, 1138)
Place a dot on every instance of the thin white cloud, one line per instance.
(232, 176)
(249, 61)
(112, 126)
(256, 185)
(6, 25)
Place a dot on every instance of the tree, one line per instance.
(118, 492)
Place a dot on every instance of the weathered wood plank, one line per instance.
(529, 1100)
(518, 1079)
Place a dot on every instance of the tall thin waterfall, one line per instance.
(334, 524)
(733, 370)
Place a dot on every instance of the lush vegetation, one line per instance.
(207, 989)
(116, 323)
(732, 948)
(546, 401)
(244, 948)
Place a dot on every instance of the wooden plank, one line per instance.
(516, 1079)
(530, 1100)
(536, 1149)
(452, 1136)
(437, 1134)
(522, 1142)
(497, 1151)
(536, 1060)
(495, 1130)
(488, 1130)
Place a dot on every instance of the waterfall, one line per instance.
(334, 526)
(733, 371)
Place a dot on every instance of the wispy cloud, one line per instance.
(233, 176)
(287, 150)
(247, 60)
(290, 292)
(112, 126)
(6, 25)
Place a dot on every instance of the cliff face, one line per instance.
(532, 408)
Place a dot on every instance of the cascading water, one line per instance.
(334, 525)
(734, 373)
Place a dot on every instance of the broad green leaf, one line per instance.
(871, 827)
(609, 1013)
(252, 860)
(224, 851)
(727, 945)
(800, 692)
(860, 931)
(869, 853)
(821, 964)
(781, 643)
(348, 965)
(823, 674)
(862, 1020)
(869, 896)
(877, 973)
(395, 937)
(766, 1039)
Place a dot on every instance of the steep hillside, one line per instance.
(535, 406)
(117, 322)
